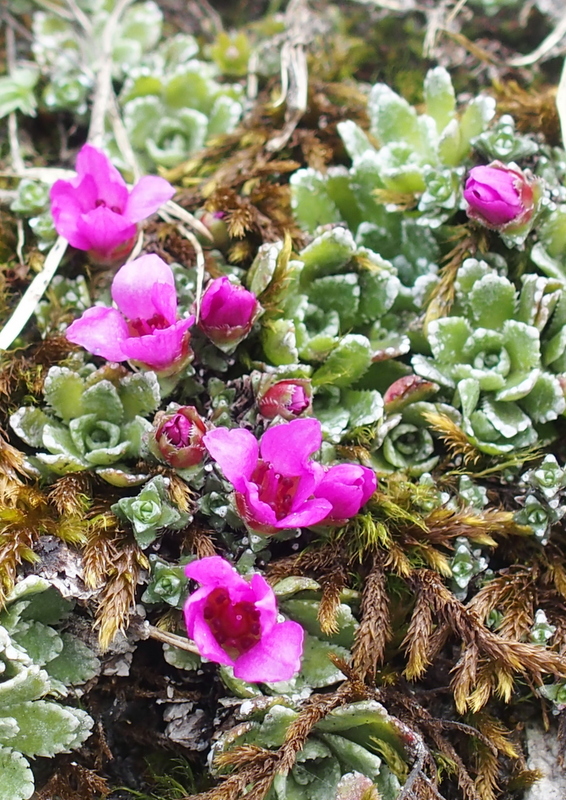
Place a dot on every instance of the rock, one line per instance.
(543, 751)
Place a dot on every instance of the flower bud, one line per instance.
(287, 399)
(178, 437)
(214, 221)
(228, 312)
(406, 390)
(500, 197)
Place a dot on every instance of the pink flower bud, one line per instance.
(287, 399)
(500, 197)
(178, 438)
(228, 312)
(405, 390)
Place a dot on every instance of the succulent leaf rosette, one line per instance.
(489, 351)
(151, 511)
(349, 738)
(94, 423)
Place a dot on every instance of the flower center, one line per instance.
(143, 327)
(278, 491)
(102, 204)
(235, 626)
(178, 431)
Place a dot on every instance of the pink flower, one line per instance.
(178, 439)
(234, 622)
(347, 487)
(498, 195)
(287, 399)
(227, 313)
(95, 211)
(144, 328)
(276, 484)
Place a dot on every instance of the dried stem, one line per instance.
(103, 91)
(171, 638)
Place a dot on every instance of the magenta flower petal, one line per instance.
(288, 447)
(212, 570)
(265, 600)
(161, 348)
(110, 184)
(148, 194)
(254, 511)
(67, 206)
(133, 287)
(276, 657)
(234, 622)
(311, 513)
(104, 230)
(228, 312)
(347, 487)
(236, 452)
(101, 331)
(500, 196)
(207, 644)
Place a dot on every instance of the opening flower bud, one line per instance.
(287, 399)
(178, 437)
(499, 196)
(228, 312)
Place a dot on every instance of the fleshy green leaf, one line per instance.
(346, 363)
(16, 777)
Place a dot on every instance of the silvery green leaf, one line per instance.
(140, 115)
(263, 267)
(46, 728)
(17, 778)
(340, 293)
(29, 423)
(439, 96)
(139, 394)
(346, 363)
(378, 291)
(181, 659)
(545, 401)
(392, 119)
(355, 139)
(365, 407)
(352, 755)
(16, 92)
(41, 642)
(75, 664)
(133, 435)
(327, 254)
(310, 200)
(447, 338)
(29, 683)
(102, 399)
(224, 116)
(142, 22)
(507, 418)
(279, 341)
(63, 390)
(493, 300)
